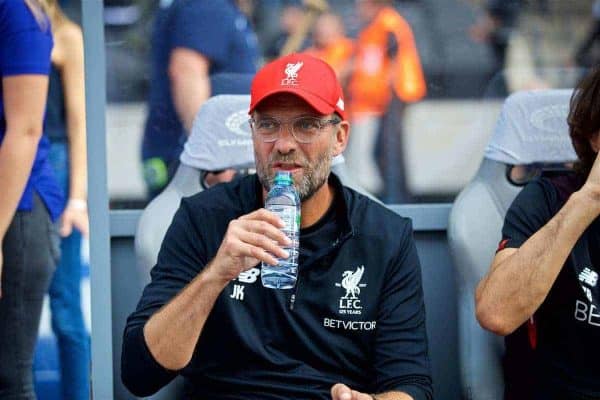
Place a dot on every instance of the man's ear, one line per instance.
(341, 138)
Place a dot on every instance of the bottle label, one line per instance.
(288, 214)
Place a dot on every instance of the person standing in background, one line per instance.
(191, 41)
(495, 28)
(588, 53)
(31, 199)
(290, 20)
(386, 65)
(64, 125)
(331, 45)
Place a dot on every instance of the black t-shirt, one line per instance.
(565, 363)
(315, 239)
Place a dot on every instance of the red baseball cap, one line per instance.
(303, 75)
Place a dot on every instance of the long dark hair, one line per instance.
(584, 119)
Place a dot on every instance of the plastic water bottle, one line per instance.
(283, 200)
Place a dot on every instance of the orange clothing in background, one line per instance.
(376, 72)
(336, 54)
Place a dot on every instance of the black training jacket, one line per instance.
(356, 316)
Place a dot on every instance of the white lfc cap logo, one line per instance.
(291, 70)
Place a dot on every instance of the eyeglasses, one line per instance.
(304, 129)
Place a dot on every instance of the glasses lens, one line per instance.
(267, 129)
(306, 128)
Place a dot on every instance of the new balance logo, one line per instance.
(589, 277)
(249, 276)
(238, 292)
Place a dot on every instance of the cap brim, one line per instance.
(316, 102)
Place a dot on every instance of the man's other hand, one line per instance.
(339, 391)
(250, 239)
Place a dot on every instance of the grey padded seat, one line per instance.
(220, 139)
(532, 128)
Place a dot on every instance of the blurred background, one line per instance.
(443, 135)
(473, 54)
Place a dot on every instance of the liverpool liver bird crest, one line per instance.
(351, 282)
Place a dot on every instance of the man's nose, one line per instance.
(286, 142)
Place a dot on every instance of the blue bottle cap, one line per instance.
(284, 178)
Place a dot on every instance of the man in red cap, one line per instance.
(353, 328)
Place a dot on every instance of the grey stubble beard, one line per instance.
(312, 178)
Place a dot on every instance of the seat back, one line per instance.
(532, 128)
(219, 139)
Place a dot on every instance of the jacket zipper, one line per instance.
(334, 246)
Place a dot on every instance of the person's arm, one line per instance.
(172, 333)
(190, 83)
(520, 279)
(407, 77)
(24, 99)
(200, 37)
(162, 333)
(75, 214)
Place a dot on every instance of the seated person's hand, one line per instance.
(339, 391)
(250, 239)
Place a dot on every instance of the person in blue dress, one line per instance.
(31, 200)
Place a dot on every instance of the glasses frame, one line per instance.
(323, 124)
